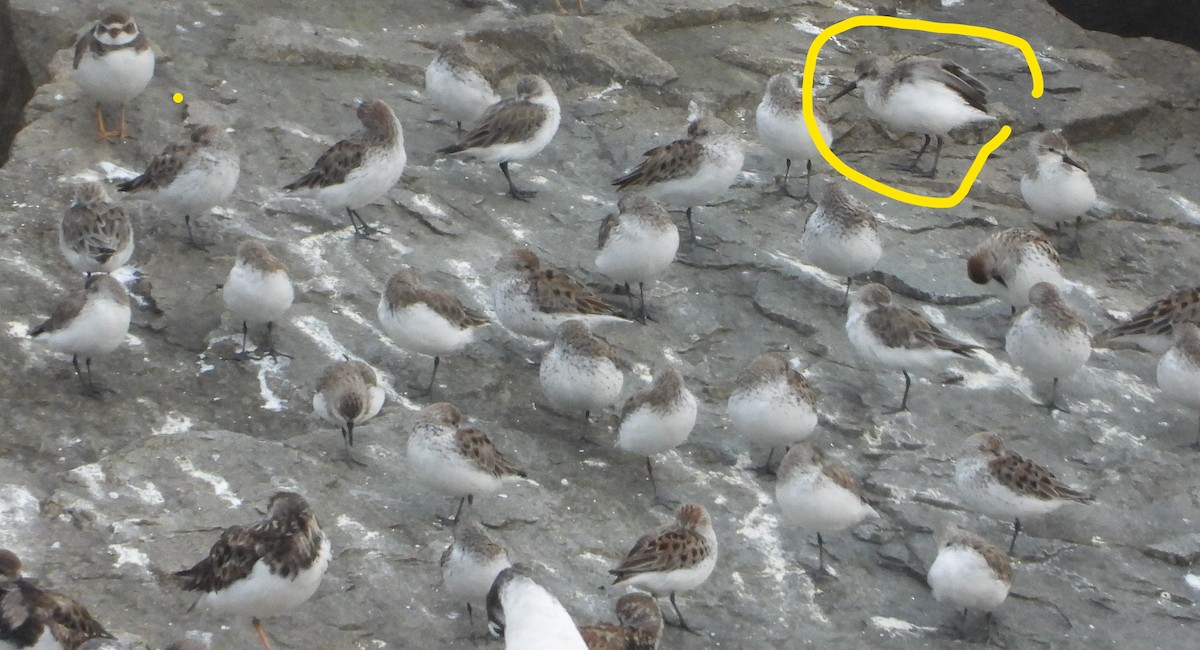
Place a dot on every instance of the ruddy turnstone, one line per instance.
(265, 569)
(1048, 339)
(90, 323)
(1011, 261)
(528, 616)
(639, 626)
(781, 127)
(579, 372)
(359, 169)
(968, 573)
(841, 236)
(471, 563)
(772, 404)
(192, 177)
(453, 460)
(657, 418)
(1153, 327)
(898, 338)
(95, 235)
(40, 619)
(920, 94)
(819, 495)
(1179, 369)
(637, 245)
(348, 394)
(1003, 484)
(677, 557)
(426, 320)
(1056, 185)
(113, 64)
(689, 172)
(258, 290)
(533, 301)
(513, 129)
(456, 85)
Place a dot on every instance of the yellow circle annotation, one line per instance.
(810, 122)
(177, 98)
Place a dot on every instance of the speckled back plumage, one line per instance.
(404, 288)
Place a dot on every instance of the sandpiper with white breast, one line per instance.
(1055, 184)
(265, 569)
(472, 561)
(347, 395)
(87, 324)
(1011, 261)
(361, 168)
(638, 245)
(898, 338)
(426, 320)
(1153, 327)
(819, 495)
(841, 236)
(690, 172)
(657, 419)
(580, 372)
(676, 557)
(258, 290)
(95, 235)
(920, 94)
(772, 404)
(192, 177)
(532, 300)
(1178, 371)
(516, 128)
(781, 127)
(1003, 484)
(455, 460)
(113, 64)
(968, 573)
(455, 83)
(1048, 340)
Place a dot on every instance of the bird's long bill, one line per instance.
(849, 87)
(1074, 163)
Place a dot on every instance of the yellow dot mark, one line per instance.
(810, 66)
(177, 98)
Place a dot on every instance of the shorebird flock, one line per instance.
(271, 567)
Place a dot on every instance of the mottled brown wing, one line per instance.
(162, 170)
(800, 385)
(96, 238)
(841, 476)
(511, 120)
(479, 450)
(901, 327)
(69, 622)
(230, 559)
(663, 164)
(62, 314)
(333, 166)
(556, 293)
(1027, 477)
(665, 550)
(605, 636)
(452, 309)
(446, 555)
(1160, 317)
(996, 558)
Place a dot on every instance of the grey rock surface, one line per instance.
(106, 499)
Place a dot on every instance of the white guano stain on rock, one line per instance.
(219, 485)
(128, 555)
(92, 477)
